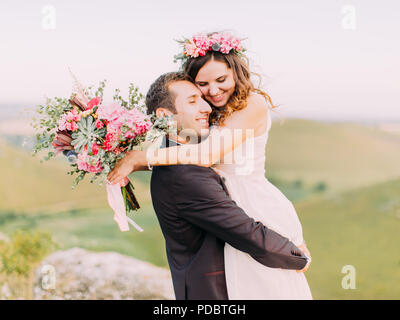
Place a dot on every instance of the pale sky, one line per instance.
(317, 61)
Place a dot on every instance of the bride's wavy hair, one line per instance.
(243, 84)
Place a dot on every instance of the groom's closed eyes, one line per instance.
(193, 98)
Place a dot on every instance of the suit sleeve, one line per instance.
(201, 200)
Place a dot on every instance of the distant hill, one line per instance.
(342, 155)
(358, 228)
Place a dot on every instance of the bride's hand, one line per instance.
(305, 250)
(124, 167)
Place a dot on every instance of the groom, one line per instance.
(194, 209)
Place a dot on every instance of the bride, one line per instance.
(219, 68)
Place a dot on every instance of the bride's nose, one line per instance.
(213, 91)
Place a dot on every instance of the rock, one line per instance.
(5, 292)
(76, 274)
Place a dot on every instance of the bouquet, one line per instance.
(94, 136)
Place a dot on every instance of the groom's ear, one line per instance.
(162, 112)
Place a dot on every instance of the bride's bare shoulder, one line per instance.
(257, 104)
(252, 116)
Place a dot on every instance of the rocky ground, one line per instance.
(77, 274)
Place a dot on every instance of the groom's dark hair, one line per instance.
(159, 96)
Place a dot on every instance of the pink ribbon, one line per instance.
(116, 202)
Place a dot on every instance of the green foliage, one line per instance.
(24, 251)
(320, 187)
(6, 217)
(100, 90)
(297, 190)
(298, 184)
(135, 98)
(118, 97)
(46, 123)
(19, 258)
(161, 126)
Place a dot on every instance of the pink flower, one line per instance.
(137, 122)
(68, 121)
(73, 126)
(225, 48)
(191, 50)
(95, 149)
(94, 102)
(122, 124)
(88, 163)
(109, 112)
(202, 52)
(99, 124)
(111, 141)
(235, 43)
(201, 43)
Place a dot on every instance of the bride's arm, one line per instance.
(219, 143)
(237, 128)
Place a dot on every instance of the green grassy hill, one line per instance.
(342, 155)
(359, 228)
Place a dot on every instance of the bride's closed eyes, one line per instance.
(219, 80)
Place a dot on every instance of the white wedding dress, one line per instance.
(244, 173)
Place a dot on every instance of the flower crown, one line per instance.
(201, 43)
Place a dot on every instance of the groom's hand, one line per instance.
(304, 249)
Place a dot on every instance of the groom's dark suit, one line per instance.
(197, 217)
